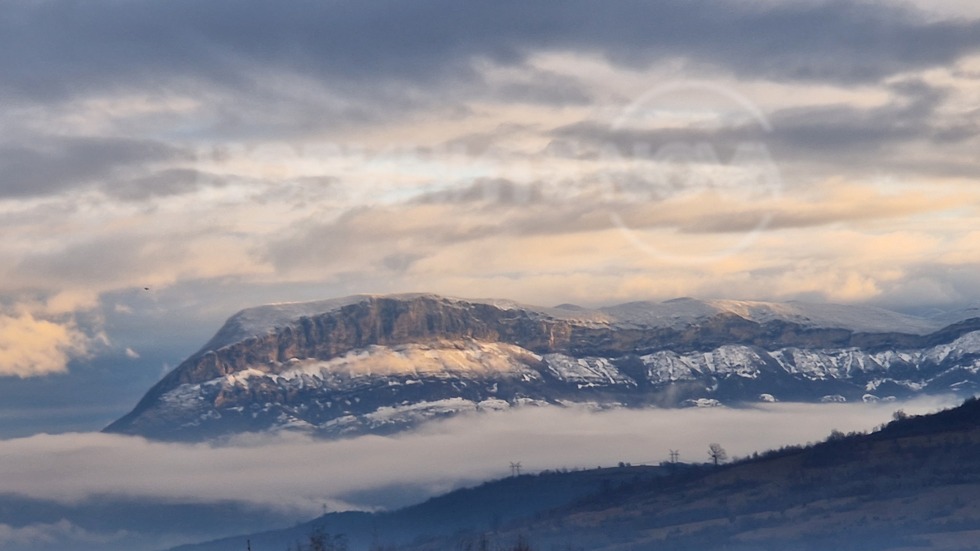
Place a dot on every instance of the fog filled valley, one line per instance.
(115, 489)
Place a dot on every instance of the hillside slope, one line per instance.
(485, 507)
(913, 485)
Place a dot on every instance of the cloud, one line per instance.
(171, 181)
(528, 84)
(841, 240)
(944, 286)
(368, 236)
(802, 140)
(528, 229)
(830, 203)
(96, 262)
(914, 115)
(43, 165)
(43, 534)
(435, 40)
(30, 347)
(131, 251)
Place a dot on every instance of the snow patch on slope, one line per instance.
(667, 366)
(588, 371)
(466, 358)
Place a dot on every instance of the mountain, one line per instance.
(911, 484)
(384, 363)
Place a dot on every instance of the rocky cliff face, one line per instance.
(380, 364)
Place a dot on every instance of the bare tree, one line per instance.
(717, 453)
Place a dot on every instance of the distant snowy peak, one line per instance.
(686, 311)
(675, 313)
(955, 316)
(864, 319)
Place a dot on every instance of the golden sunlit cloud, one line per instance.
(31, 347)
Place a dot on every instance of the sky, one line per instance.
(165, 164)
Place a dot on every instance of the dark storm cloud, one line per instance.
(58, 48)
(49, 165)
(840, 129)
(839, 136)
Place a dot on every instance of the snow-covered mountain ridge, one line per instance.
(383, 363)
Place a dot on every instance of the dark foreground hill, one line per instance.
(914, 484)
(485, 508)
